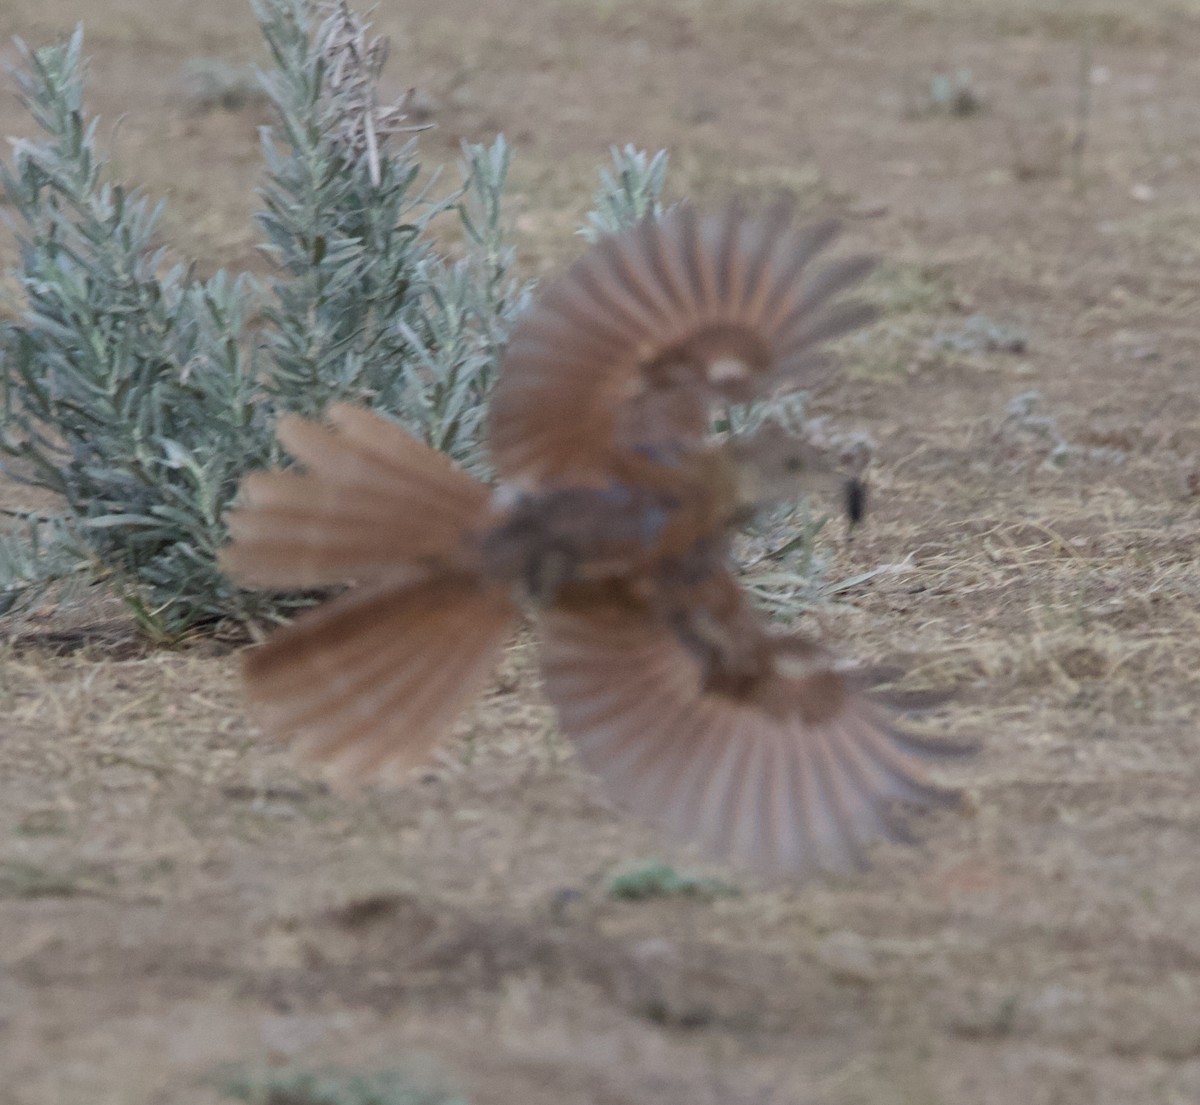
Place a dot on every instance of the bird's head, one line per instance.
(774, 465)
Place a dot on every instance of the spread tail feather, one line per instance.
(374, 502)
(373, 679)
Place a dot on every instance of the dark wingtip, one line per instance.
(855, 495)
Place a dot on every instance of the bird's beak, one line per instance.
(773, 466)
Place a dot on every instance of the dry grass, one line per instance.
(175, 896)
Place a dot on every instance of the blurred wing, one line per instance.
(630, 347)
(795, 778)
(372, 679)
(373, 501)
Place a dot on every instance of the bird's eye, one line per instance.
(793, 464)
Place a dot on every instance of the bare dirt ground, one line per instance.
(175, 896)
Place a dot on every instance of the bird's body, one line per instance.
(613, 520)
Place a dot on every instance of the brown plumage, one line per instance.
(612, 519)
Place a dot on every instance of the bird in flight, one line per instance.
(612, 519)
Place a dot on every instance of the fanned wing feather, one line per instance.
(799, 787)
(631, 346)
(373, 678)
(373, 502)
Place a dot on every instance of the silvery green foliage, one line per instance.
(125, 387)
(142, 395)
(786, 410)
(342, 217)
(34, 554)
(364, 309)
(467, 310)
(629, 191)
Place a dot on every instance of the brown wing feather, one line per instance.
(375, 677)
(643, 333)
(373, 502)
(797, 787)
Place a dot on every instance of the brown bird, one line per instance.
(613, 519)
